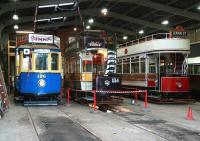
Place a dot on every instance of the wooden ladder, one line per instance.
(4, 101)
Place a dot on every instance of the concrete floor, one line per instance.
(78, 123)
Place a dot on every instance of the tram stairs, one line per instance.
(111, 62)
(4, 102)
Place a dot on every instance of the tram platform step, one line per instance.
(40, 103)
(88, 98)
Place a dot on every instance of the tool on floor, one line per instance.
(189, 114)
(4, 103)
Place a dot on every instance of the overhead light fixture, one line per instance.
(87, 27)
(15, 17)
(91, 21)
(57, 18)
(41, 20)
(75, 29)
(141, 32)
(198, 7)
(65, 4)
(54, 5)
(104, 11)
(165, 22)
(46, 6)
(24, 32)
(16, 27)
(125, 38)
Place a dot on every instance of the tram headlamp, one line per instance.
(26, 51)
(41, 83)
(179, 84)
(107, 82)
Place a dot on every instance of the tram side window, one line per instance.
(126, 65)
(87, 66)
(142, 63)
(41, 61)
(119, 68)
(135, 65)
(78, 66)
(152, 67)
(54, 61)
(196, 69)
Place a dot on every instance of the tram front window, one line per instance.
(87, 66)
(54, 61)
(41, 61)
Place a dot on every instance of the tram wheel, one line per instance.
(1, 114)
(103, 107)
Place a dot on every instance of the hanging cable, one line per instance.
(35, 18)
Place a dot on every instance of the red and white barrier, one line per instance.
(135, 93)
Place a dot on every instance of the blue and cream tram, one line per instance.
(38, 66)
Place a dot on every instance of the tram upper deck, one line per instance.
(161, 42)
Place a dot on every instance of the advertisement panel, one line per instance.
(39, 38)
(94, 42)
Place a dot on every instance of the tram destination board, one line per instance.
(90, 42)
(179, 34)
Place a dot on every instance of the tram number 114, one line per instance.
(115, 80)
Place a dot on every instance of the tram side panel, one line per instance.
(39, 83)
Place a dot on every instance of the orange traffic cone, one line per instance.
(189, 114)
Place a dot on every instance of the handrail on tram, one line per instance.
(146, 38)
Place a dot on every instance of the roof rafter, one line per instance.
(45, 16)
(95, 12)
(169, 9)
(133, 20)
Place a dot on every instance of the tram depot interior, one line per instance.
(91, 70)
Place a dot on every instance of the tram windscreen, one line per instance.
(54, 61)
(41, 61)
(87, 66)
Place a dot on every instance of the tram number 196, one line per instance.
(41, 76)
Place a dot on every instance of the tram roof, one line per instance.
(39, 46)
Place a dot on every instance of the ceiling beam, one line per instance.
(68, 14)
(148, 14)
(78, 23)
(131, 20)
(113, 28)
(90, 12)
(165, 8)
(12, 6)
(150, 4)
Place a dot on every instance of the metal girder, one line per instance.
(27, 4)
(55, 25)
(70, 23)
(84, 12)
(165, 8)
(112, 28)
(92, 12)
(12, 6)
(134, 20)
(5, 23)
